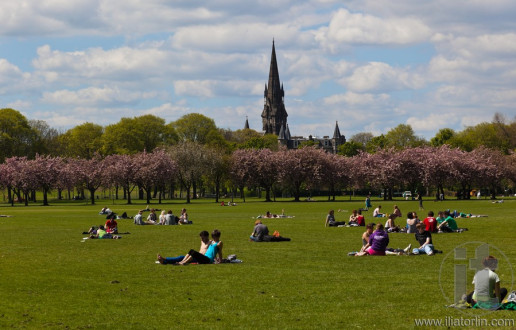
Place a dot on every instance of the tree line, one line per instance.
(194, 156)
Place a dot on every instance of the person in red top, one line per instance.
(360, 218)
(430, 222)
(111, 225)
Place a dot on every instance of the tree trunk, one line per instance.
(92, 193)
(128, 196)
(45, 198)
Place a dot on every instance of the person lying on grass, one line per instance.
(103, 234)
(261, 234)
(205, 242)
(212, 255)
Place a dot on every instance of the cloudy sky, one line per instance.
(368, 64)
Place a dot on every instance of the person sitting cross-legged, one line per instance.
(424, 237)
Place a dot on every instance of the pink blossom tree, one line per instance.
(46, 171)
(121, 170)
(89, 173)
(300, 166)
(153, 169)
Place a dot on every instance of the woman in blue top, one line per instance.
(212, 255)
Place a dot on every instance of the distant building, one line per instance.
(274, 116)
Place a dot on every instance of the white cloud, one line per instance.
(356, 99)
(376, 76)
(358, 28)
(93, 96)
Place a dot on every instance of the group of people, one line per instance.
(375, 243)
(165, 218)
(355, 219)
(210, 251)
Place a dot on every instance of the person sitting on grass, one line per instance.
(377, 244)
(366, 235)
(170, 218)
(430, 222)
(183, 218)
(353, 218)
(487, 293)
(390, 226)
(397, 211)
(138, 219)
(424, 237)
(377, 213)
(412, 221)
(205, 242)
(105, 210)
(330, 220)
(261, 234)
(111, 225)
(360, 218)
(212, 255)
(449, 224)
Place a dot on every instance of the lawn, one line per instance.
(52, 279)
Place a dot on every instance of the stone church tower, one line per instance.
(274, 115)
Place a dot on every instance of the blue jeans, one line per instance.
(428, 249)
(173, 260)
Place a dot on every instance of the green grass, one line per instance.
(50, 279)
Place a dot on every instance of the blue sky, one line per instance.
(370, 65)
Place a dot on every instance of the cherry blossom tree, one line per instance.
(491, 167)
(121, 170)
(335, 172)
(300, 166)
(217, 167)
(89, 173)
(153, 169)
(240, 167)
(46, 171)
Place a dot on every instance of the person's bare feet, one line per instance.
(160, 258)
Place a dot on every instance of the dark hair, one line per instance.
(359, 211)
(215, 233)
(490, 262)
(430, 213)
(370, 226)
(447, 212)
(410, 215)
(204, 233)
(420, 225)
(169, 211)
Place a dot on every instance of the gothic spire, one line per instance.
(246, 126)
(336, 133)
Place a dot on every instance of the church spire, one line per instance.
(274, 115)
(336, 133)
(246, 126)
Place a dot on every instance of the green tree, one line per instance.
(47, 138)
(402, 136)
(82, 141)
(267, 141)
(363, 138)
(350, 148)
(133, 135)
(444, 136)
(17, 138)
(376, 143)
(195, 127)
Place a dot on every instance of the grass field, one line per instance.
(50, 279)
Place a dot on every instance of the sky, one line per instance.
(370, 65)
